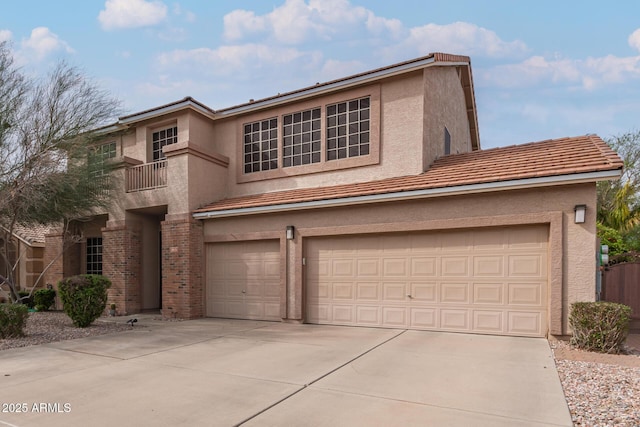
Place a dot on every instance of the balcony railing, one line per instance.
(147, 176)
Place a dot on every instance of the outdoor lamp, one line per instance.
(290, 232)
(580, 211)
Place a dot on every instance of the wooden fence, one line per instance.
(621, 284)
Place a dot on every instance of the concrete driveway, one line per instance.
(216, 372)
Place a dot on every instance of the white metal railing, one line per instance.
(147, 176)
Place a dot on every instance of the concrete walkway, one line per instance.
(215, 372)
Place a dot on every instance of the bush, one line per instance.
(26, 298)
(13, 318)
(84, 297)
(599, 326)
(44, 298)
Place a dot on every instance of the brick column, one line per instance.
(182, 282)
(121, 255)
(53, 258)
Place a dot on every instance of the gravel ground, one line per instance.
(601, 389)
(53, 326)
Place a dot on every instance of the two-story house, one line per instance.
(362, 201)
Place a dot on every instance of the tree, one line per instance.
(619, 200)
(47, 127)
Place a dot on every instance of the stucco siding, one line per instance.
(572, 246)
(444, 107)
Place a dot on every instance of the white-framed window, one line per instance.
(162, 138)
(260, 146)
(94, 255)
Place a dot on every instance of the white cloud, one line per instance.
(297, 21)
(634, 39)
(43, 42)
(131, 14)
(5, 35)
(587, 74)
(461, 38)
(231, 60)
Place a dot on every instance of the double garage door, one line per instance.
(491, 281)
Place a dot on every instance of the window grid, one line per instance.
(348, 129)
(162, 138)
(301, 138)
(94, 255)
(261, 145)
(99, 155)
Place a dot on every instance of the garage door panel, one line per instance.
(454, 319)
(243, 280)
(525, 323)
(488, 293)
(423, 318)
(490, 280)
(455, 266)
(424, 292)
(394, 317)
(343, 314)
(368, 267)
(368, 315)
(456, 293)
(488, 266)
(525, 293)
(423, 267)
(395, 267)
(368, 291)
(343, 268)
(394, 291)
(343, 291)
(488, 321)
(526, 266)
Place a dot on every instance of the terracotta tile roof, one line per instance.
(564, 156)
(32, 234)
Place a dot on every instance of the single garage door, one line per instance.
(491, 280)
(243, 280)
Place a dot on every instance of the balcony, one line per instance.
(147, 176)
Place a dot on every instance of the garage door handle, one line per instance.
(244, 292)
(409, 296)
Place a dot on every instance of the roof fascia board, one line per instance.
(418, 194)
(343, 84)
(166, 110)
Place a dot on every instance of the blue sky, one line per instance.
(543, 69)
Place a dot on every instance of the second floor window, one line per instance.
(348, 129)
(301, 139)
(162, 138)
(99, 155)
(261, 145)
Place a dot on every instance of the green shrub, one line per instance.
(599, 326)
(44, 298)
(13, 318)
(26, 298)
(84, 297)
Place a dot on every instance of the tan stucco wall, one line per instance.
(571, 246)
(444, 106)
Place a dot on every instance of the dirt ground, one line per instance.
(563, 350)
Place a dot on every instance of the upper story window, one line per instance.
(348, 129)
(301, 138)
(327, 133)
(99, 155)
(161, 138)
(261, 145)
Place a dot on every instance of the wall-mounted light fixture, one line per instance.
(580, 211)
(290, 231)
